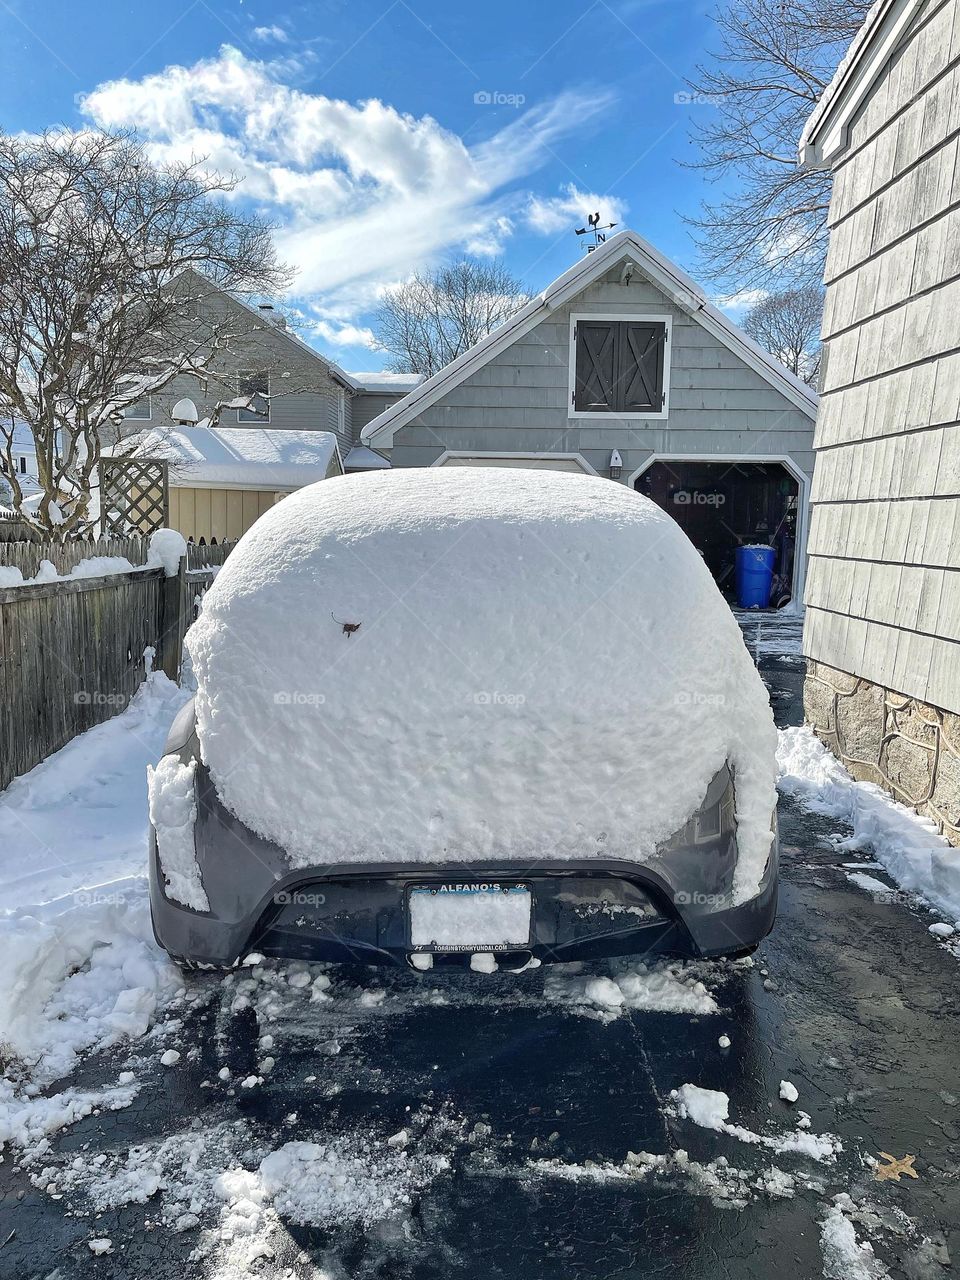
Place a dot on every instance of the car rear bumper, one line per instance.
(581, 910)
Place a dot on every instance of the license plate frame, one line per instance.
(460, 892)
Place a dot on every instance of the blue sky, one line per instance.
(382, 134)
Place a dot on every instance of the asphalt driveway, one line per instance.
(504, 1126)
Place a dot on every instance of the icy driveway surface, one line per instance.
(360, 1123)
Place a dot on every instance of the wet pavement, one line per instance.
(513, 1104)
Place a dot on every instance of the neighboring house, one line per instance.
(623, 368)
(24, 462)
(285, 383)
(222, 479)
(882, 632)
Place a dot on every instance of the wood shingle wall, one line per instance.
(883, 586)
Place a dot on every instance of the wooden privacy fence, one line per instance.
(72, 651)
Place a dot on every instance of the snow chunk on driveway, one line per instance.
(709, 1109)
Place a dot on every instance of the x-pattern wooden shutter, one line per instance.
(619, 366)
(596, 367)
(640, 374)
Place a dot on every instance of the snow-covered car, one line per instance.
(493, 716)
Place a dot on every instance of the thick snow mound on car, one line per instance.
(469, 664)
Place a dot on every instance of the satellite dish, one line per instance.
(185, 413)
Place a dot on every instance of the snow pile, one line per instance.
(571, 681)
(908, 846)
(363, 1180)
(81, 967)
(91, 976)
(663, 987)
(173, 811)
(709, 1108)
(167, 548)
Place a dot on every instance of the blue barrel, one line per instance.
(754, 574)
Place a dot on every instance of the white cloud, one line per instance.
(554, 214)
(344, 335)
(740, 301)
(364, 193)
(275, 33)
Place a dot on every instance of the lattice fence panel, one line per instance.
(134, 495)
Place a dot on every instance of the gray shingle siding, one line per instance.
(518, 401)
(883, 586)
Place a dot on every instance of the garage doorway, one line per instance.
(724, 505)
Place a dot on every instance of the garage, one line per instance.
(725, 505)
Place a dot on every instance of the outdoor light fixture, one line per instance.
(616, 465)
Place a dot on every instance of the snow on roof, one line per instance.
(666, 275)
(382, 381)
(360, 458)
(825, 132)
(241, 457)
(599, 746)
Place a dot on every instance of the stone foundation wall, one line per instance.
(909, 748)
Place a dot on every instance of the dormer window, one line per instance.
(619, 365)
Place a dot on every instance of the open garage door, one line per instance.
(724, 505)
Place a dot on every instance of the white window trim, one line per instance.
(578, 458)
(261, 418)
(628, 317)
(803, 497)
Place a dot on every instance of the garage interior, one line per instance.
(724, 505)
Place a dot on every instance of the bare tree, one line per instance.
(107, 268)
(434, 317)
(787, 325)
(773, 62)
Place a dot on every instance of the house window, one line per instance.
(620, 366)
(139, 411)
(255, 389)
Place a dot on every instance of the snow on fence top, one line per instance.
(465, 664)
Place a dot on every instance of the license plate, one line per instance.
(487, 916)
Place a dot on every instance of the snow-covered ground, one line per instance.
(906, 845)
(80, 964)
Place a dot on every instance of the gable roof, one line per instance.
(825, 133)
(270, 326)
(666, 275)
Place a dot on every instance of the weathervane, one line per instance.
(593, 228)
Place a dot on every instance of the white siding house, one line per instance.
(882, 632)
(623, 368)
